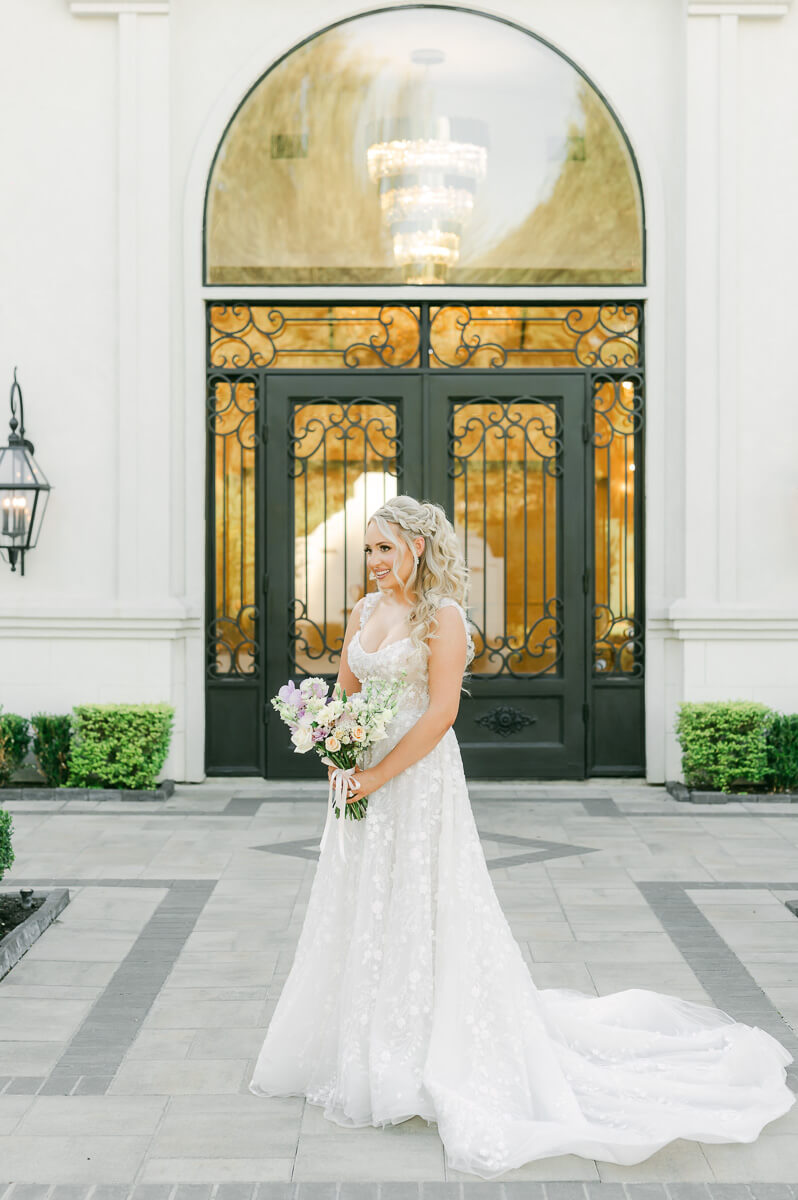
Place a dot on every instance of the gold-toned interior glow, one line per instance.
(345, 467)
(295, 191)
(614, 548)
(233, 423)
(505, 514)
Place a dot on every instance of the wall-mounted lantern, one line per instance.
(24, 489)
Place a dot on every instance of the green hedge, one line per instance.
(725, 744)
(783, 752)
(6, 851)
(14, 742)
(119, 745)
(52, 745)
(737, 746)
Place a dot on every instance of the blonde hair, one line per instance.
(439, 572)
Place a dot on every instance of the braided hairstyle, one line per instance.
(439, 572)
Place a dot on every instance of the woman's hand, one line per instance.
(362, 784)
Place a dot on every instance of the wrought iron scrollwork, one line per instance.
(506, 460)
(505, 720)
(256, 335)
(232, 648)
(617, 407)
(596, 336)
(342, 455)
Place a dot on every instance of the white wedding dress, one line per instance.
(409, 995)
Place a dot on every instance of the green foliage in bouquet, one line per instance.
(14, 742)
(119, 745)
(783, 752)
(52, 745)
(6, 851)
(725, 744)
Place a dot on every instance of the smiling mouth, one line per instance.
(381, 574)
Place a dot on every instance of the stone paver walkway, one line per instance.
(129, 1031)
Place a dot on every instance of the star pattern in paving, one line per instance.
(537, 849)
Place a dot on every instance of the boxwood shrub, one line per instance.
(52, 745)
(725, 744)
(6, 851)
(783, 752)
(119, 745)
(14, 743)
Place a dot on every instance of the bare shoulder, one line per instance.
(451, 626)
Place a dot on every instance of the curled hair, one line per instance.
(439, 572)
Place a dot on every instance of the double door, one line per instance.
(505, 454)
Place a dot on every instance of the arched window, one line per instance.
(424, 145)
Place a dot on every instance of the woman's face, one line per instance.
(385, 561)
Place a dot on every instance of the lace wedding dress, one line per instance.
(409, 995)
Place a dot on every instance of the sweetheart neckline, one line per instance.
(398, 642)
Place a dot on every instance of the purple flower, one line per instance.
(319, 735)
(290, 694)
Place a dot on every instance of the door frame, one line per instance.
(616, 692)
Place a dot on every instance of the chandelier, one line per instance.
(427, 171)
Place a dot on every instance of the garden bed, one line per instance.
(32, 791)
(28, 923)
(686, 795)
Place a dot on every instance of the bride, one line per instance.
(408, 994)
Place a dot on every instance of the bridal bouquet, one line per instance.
(339, 728)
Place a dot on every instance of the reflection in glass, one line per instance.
(426, 145)
(535, 336)
(232, 408)
(617, 414)
(345, 465)
(506, 464)
(312, 337)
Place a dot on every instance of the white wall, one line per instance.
(101, 309)
(733, 630)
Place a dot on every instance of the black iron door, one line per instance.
(338, 447)
(513, 481)
(525, 422)
(504, 455)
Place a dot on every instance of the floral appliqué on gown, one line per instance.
(408, 995)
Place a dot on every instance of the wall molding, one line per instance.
(156, 624)
(690, 622)
(722, 8)
(113, 8)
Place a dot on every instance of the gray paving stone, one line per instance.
(311, 1191)
(24, 1085)
(452, 1191)
(59, 1085)
(284, 1191)
(606, 1191)
(110, 1191)
(235, 1191)
(30, 1191)
(645, 1191)
(565, 1191)
(151, 1191)
(93, 1085)
(729, 1191)
(772, 1191)
(515, 1189)
(4, 1081)
(189, 1191)
(69, 1191)
(394, 1191)
(688, 1191)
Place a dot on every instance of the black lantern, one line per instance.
(23, 489)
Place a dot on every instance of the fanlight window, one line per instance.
(425, 146)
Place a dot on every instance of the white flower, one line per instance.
(303, 740)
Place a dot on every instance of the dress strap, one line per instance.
(369, 600)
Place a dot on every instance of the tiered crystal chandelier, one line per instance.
(427, 170)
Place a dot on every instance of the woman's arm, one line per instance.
(447, 661)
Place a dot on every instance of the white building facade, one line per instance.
(111, 309)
